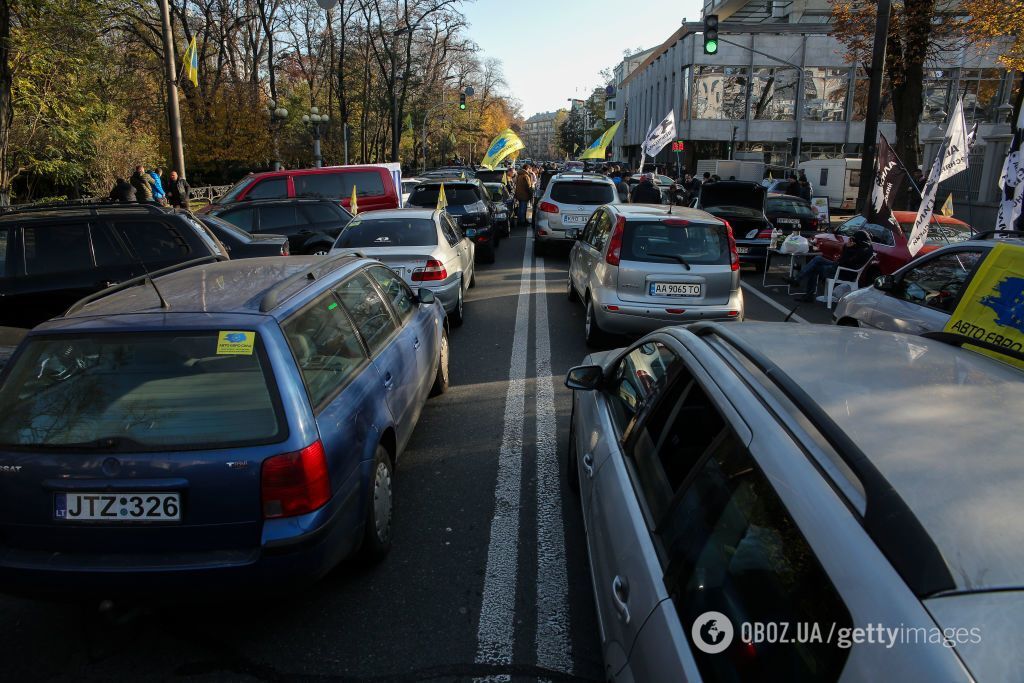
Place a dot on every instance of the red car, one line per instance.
(375, 186)
(890, 245)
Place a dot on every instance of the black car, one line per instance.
(469, 204)
(792, 214)
(242, 244)
(742, 204)
(502, 203)
(311, 225)
(54, 255)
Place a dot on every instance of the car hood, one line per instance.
(990, 623)
(746, 195)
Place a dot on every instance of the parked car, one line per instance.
(54, 255)
(742, 205)
(890, 244)
(501, 202)
(741, 476)
(374, 184)
(246, 436)
(566, 206)
(638, 267)
(469, 205)
(920, 296)
(455, 172)
(311, 225)
(242, 244)
(425, 247)
(408, 184)
(791, 214)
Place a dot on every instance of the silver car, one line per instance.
(762, 501)
(920, 296)
(567, 204)
(424, 246)
(640, 267)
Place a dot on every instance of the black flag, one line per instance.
(889, 177)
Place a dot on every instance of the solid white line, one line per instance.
(554, 649)
(771, 302)
(496, 630)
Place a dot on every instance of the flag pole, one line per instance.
(173, 112)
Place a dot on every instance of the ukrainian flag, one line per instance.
(505, 144)
(190, 63)
(597, 149)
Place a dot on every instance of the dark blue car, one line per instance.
(226, 425)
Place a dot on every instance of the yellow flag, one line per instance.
(505, 144)
(353, 204)
(442, 200)
(504, 178)
(599, 146)
(190, 63)
(947, 206)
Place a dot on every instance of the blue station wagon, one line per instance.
(228, 424)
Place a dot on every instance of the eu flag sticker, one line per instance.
(235, 343)
(60, 510)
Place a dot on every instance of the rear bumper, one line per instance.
(638, 319)
(547, 231)
(447, 293)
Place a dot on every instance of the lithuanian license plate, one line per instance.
(121, 506)
(742, 250)
(574, 219)
(675, 289)
(788, 221)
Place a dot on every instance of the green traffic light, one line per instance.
(710, 46)
(462, 106)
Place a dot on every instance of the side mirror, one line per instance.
(584, 377)
(885, 283)
(425, 296)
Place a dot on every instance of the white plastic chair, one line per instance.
(845, 275)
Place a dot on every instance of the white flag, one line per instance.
(950, 160)
(661, 135)
(643, 148)
(1011, 180)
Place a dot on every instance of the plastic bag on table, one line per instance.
(795, 244)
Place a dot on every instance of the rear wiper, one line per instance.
(674, 257)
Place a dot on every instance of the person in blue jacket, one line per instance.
(159, 196)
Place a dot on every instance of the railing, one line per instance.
(208, 192)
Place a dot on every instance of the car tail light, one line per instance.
(733, 314)
(548, 207)
(734, 255)
(675, 311)
(611, 307)
(542, 233)
(482, 238)
(814, 223)
(764, 234)
(295, 483)
(615, 243)
(285, 251)
(676, 221)
(432, 272)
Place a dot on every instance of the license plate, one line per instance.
(571, 219)
(675, 289)
(742, 250)
(572, 233)
(124, 506)
(788, 221)
(470, 232)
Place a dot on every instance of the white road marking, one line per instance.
(771, 302)
(496, 630)
(554, 648)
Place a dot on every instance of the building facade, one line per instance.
(540, 135)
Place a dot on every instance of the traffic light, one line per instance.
(462, 100)
(710, 34)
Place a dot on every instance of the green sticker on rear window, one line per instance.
(332, 306)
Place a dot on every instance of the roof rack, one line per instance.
(141, 279)
(992, 234)
(960, 340)
(887, 518)
(275, 295)
(82, 204)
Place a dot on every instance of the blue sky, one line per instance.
(554, 49)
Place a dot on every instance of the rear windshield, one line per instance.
(697, 244)
(232, 194)
(339, 185)
(789, 206)
(582, 192)
(942, 234)
(494, 189)
(388, 232)
(230, 228)
(140, 392)
(728, 210)
(426, 195)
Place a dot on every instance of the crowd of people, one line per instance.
(149, 187)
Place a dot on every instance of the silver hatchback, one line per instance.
(567, 204)
(640, 267)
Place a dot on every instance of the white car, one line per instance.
(408, 185)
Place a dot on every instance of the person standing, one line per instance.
(645, 192)
(524, 194)
(122, 191)
(143, 185)
(805, 187)
(793, 188)
(159, 196)
(177, 192)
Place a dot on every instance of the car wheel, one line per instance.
(594, 335)
(570, 290)
(380, 508)
(457, 314)
(573, 459)
(441, 378)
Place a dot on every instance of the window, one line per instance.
(640, 374)
(823, 178)
(61, 248)
(880, 234)
(938, 282)
(851, 226)
(153, 241)
(773, 94)
(321, 185)
(240, 217)
(367, 183)
(825, 93)
(457, 195)
(720, 92)
(106, 248)
(698, 244)
(271, 188)
(937, 86)
(450, 230)
(389, 232)
(369, 312)
(941, 234)
(280, 218)
(326, 213)
(582, 192)
(733, 548)
(325, 346)
(789, 206)
(981, 89)
(232, 194)
(397, 292)
(602, 228)
(860, 97)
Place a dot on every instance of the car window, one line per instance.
(56, 248)
(880, 234)
(326, 347)
(240, 217)
(153, 240)
(323, 213)
(588, 229)
(280, 217)
(582, 192)
(456, 195)
(446, 230)
(851, 226)
(388, 232)
(368, 311)
(271, 188)
(784, 205)
(731, 547)
(106, 248)
(639, 375)
(367, 183)
(397, 292)
(225, 227)
(322, 185)
(940, 234)
(602, 228)
(454, 226)
(232, 194)
(697, 243)
(938, 282)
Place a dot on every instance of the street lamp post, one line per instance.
(316, 123)
(278, 115)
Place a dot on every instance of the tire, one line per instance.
(594, 336)
(486, 255)
(441, 378)
(457, 316)
(380, 508)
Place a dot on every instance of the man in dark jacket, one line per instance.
(854, 255)
(645, 192)
(123, 191)
(793, 188)
(177, 191)
(143, 184)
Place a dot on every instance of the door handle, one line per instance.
(416, 343)
(588, 464)
(389, 382)
(620, 595)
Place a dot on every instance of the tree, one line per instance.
(1000, 23)
(6, 109)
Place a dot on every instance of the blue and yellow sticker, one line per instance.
(235, 343)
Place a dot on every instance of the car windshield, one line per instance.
(426, 195)
(225, 227)
(582, 192)
(495, 190)
(388, 232)
(697, 244)
(940, 234)
(140, 392)
(727, 210)
(239, 187)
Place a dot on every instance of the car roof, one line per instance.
(280, 200)
(449, 181)
(564, 176)
(662, 211)
(315, 171)
(935, 420)
(397, 213)
(49, 212)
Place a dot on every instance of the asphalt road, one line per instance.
(488, 574)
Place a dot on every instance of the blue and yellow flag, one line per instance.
(190, 63)
(597, 149)
(502, 146)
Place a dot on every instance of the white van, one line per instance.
(837, 178)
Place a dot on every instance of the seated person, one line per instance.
(854, 255)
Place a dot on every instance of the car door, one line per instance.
(454, 258)
(284, 219)
(464, 247)
(593, 248)
(152, 242)
(577, 255)
(418, 332)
